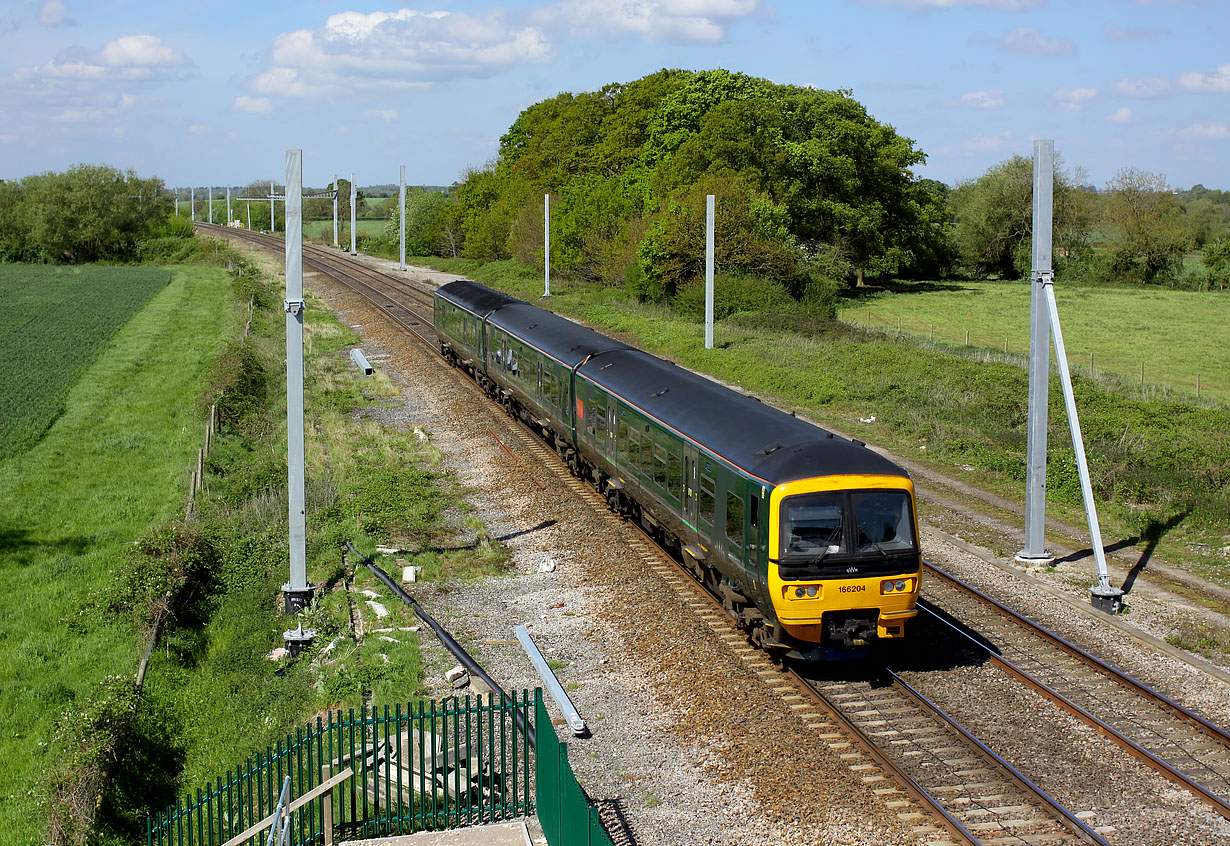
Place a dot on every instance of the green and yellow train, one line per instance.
(809, 539)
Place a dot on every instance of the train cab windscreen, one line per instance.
(847, 533)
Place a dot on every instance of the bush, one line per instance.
(733, 293)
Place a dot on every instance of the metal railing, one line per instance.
(429, 766)
(564, 811)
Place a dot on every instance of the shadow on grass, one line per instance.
(17, 540)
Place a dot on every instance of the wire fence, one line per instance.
(1141, 372)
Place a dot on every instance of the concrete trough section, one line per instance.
(360, 360)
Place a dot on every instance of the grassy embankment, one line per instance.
(222, 700)
(1175, 335)
(114, 461)
(1159, 463)
(93, 541)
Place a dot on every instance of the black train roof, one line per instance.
(760, 439)
(555, 335)
(477, 298)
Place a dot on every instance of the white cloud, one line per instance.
(401, 49)
(1147, 86)
(199, 129)
(1031, 42)
(8, 139)
(1118, 33)
(1074, 99)
(1217, 80)
(992, 98)
(686, 21)
(995, 5)
(54, 13)
(252, 105)
(381, 114)
(1121, 115)
(985, 143)
(1208, 131)
(130, 58)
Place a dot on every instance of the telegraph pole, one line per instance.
(228, 206)
(211, 204)
(273, 225)
(353, 194)
(192, 202)
(402, 217)
(335, 244)
(546, 244)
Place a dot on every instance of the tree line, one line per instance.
(87, 213)
(811, 190)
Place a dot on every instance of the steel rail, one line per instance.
(1073, 823)
(1101, 726)
(337, 268)
(1215, 731)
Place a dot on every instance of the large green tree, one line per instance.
(621, 158)
(1145, 223)
(993, 219)
(87, 213)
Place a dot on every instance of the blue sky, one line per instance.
(215, 92)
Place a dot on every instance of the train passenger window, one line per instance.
(674, 484)
(707, 499)
(597, 420)
(659, 465)
(734, 519)
(634, 446)
(622, 434)
(646, 460)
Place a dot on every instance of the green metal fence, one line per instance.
(564, 811)
(434, 765)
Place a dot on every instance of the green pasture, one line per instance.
(55, 321)
(319, 229)
(1177, 336)
(115, 461)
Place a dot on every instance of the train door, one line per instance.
(612, 428)
(690, 486)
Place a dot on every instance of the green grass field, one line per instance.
(1177, 335)
(55, 321)
(324, 229)
(115, 461)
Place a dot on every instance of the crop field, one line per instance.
(54, 323)
(1177, 336)
(113, 463)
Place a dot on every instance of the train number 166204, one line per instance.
(852, 588)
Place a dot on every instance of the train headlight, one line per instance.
(812, 590)
(896, 585)
(800, 591)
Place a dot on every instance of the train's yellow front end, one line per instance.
(845, 561)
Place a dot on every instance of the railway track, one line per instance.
(944, 783)
(1180, 745)
(387, 293)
